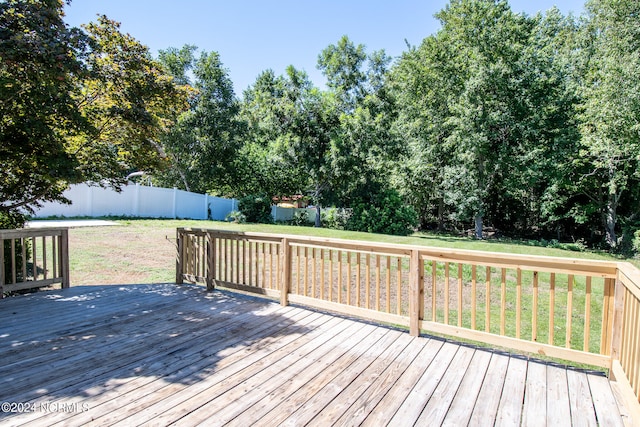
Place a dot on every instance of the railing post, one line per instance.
(618, 313)
(211, 261)
(607, 317)
(415, 292)
(179, 256)
(286, 272)
(64, 257)
(2, 272)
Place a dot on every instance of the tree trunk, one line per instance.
(184, 179)
(610, 220)
(441, 215)
(478, 221)
(318, 219)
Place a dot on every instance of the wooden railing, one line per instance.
(585, 311)
(33, 258)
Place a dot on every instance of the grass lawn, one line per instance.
(143, 250)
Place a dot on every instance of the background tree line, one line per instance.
(528, 124)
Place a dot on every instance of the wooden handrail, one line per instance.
(33, 258)
(586, 311)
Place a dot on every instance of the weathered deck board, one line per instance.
(166, 354)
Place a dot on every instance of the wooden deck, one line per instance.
(163, 354)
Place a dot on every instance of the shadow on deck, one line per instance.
(161, 354)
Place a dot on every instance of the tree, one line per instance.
(40, 59)
(267, 111)
(203, 146)
(425, 83)
(76, 106)
(610, 119)
(293, 123)
(364, 144)
(342, 66)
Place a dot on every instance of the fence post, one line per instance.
(174, 208)
(415, 292)
(179, 256)
(286, 271)
(64, 258)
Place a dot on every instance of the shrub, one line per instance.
(256, 208)
(335, 218)
(236, 217)
(386, 213)
(301, 218)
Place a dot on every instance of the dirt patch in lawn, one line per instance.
(122, 254)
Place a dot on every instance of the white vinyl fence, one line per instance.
(149, 202)
(138, 201)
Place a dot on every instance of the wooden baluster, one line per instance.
(399, 286)
(534, 308)
(567, 341)
(446, 293)
(322, 265)
(377, 282)
(434, 291)
(474, 296)
(358, 279)
(388, 281)
(487, 300)
(368, 281)
(459, 295)
(552, 306)
(587, 314)
(503, 301)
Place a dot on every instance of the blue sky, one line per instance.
(252, 36)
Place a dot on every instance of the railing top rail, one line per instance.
(589, 267)
(32, 232)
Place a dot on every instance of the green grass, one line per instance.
(420, 239)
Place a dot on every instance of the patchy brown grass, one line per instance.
(122, 254)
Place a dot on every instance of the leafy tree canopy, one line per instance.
(77, 105)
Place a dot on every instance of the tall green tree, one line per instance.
(425, 82)
(364, 142)
(40, 58)
(268, 110)
(77, 105)
(203, 146)
(610, 119)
